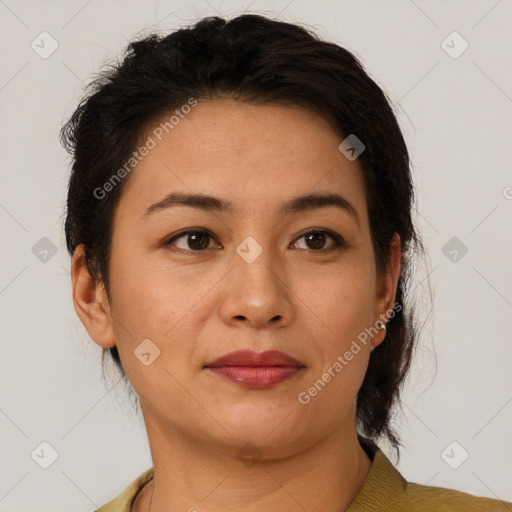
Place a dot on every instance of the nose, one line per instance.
(257, 293)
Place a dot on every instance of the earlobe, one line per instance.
(90, 302)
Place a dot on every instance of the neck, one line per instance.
(196, 476)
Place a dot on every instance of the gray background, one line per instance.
(456, 117)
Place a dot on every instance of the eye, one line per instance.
(317, 238)
(196, 240)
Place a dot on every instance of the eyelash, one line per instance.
(338, 241)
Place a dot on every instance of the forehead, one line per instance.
(253, 154)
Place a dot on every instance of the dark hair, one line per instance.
(261, 61)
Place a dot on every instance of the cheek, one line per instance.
(341, 358)
(344, 300)
(345, 294)
(144, 292)
(151, 312)
(160, 301)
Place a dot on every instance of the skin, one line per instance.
(303, 299)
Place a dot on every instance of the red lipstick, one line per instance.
(256, 370)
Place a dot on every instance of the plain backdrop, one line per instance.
(454, 105)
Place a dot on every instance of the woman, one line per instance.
(239, 220)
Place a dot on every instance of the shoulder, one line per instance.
(421, 498)
(386, 490)
(123, 502)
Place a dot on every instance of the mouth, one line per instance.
(256, 370)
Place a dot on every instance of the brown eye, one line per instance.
(199, 240)
(194, 240)
(316, 240)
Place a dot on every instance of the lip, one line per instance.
(250, 358)
(256, 370)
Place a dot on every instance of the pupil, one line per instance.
(315, 238)
(199, 236)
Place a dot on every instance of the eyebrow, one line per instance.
(209, 203)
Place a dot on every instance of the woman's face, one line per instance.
(253, 279)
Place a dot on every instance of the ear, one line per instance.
(386, 288)
(91, 302)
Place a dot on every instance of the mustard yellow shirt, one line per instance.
(384, 490)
